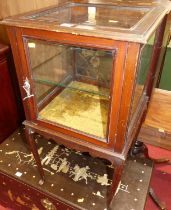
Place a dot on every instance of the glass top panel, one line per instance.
(87, 16)
(72, 85)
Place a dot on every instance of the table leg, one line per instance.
(33, 148)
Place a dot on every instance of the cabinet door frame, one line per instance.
(124, 65)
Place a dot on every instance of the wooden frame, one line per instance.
(121, 130)
(72, 39)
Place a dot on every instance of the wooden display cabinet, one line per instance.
(86, 71)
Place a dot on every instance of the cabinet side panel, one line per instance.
(161, 40)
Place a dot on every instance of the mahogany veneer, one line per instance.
(86, 42)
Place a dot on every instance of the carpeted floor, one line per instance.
(161, 179)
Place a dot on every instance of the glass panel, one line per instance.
(143, 67)
(88, 16)
(72, 85)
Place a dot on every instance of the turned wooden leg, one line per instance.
(139, 149)
(33, 148)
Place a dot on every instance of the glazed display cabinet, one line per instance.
(86, 71)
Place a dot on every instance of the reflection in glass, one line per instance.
(143, 67)
(90, 16)
(72, 85)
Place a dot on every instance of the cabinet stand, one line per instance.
(33, 147)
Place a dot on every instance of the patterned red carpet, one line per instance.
(161, 179)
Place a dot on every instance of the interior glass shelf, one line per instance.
(86, 89)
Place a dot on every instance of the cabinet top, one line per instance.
(133, 20)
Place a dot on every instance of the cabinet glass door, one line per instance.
(72, 86)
